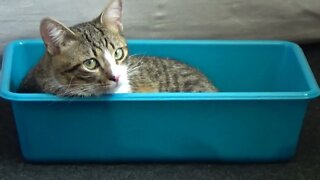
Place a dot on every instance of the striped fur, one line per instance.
(91, 59)
(153, 74)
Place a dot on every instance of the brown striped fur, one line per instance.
(165, 75)
(63, 70)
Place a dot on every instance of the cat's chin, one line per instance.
(108, 90)
(96, 93)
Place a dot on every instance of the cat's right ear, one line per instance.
(55, 35)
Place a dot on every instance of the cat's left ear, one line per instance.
(111, 16)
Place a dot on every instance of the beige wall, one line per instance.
(211, 19)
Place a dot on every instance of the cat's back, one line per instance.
(157, 74)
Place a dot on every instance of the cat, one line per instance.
(91, 59)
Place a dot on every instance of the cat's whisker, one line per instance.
(132, 69)
(135, 67)
(133, 73)
(134, 55)
(69, 83)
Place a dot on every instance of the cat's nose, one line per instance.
(114, 78)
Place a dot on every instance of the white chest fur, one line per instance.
(123, 82)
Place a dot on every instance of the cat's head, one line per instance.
(86, 59)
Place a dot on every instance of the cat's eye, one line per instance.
(91, 64)
(118, 54)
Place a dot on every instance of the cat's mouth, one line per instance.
(95, 90)
(112, 85)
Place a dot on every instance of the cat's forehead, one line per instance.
(118, 40)
(93, 34)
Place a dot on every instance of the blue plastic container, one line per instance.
(257, 117)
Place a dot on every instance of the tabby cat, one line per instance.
(91, 58)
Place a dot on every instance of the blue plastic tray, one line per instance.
(257, 117)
